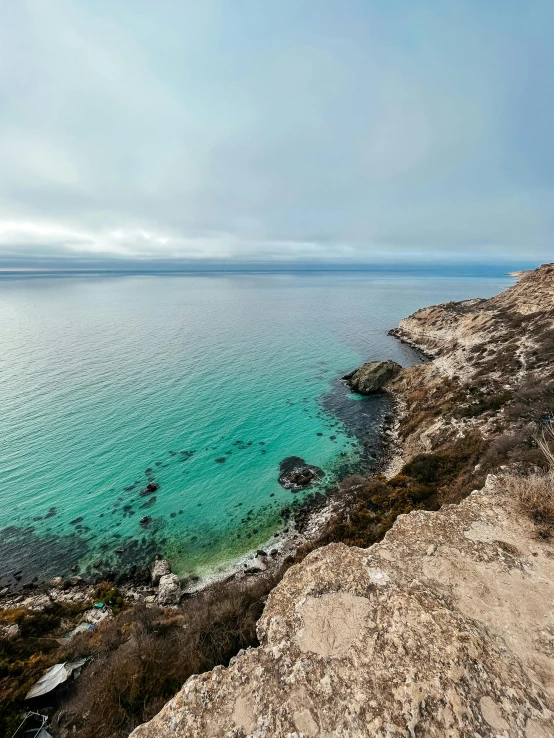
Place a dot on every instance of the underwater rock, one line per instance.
(150, 487)
(145, 521)
(372, 377)
(296, 474)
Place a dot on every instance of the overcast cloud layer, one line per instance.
(276, 130)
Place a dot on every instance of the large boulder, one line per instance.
(169, 591)
(295, 474)
(372, 377)
(160, 568)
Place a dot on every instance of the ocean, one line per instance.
(200, 384)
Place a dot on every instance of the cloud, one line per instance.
(276, 131)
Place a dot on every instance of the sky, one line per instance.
(278, 131)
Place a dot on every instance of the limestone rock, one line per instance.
(10, 631)
(56, 583)
(37, 603)
(160, 568)
(389, 642)
(97, 615)
(169, 591)
(372, 377)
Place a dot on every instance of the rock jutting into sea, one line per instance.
(296, 474)
(372, 377)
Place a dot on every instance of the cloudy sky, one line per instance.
(276, 130)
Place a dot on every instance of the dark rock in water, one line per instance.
(149, 502)
(149, 470)
(221, 460)
(296, 474)
(145, 520)
(372, 377)
(150, 487)
(76, 521)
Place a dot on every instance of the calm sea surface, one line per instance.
(201, 383)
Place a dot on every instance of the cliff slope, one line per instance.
(445, 628)
(491, 373)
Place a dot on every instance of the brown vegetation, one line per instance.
(535, 495)
(142, 658)
(535, 492)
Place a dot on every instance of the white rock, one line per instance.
(169, 592)
(55, 582)
(10, 631)
(37, 603)
(160, 569)
(97, 615)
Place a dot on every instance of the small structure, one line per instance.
(53, 677)
(33, 726)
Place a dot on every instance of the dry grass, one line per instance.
(143, 657)
(535, 495)
(546, 445)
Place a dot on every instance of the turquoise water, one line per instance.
(102, 379)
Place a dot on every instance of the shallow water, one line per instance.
(201, 383)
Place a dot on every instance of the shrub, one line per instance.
(143, 656)
(535, 496)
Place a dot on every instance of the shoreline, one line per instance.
(307, 520)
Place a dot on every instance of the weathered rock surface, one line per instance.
(97, 615)
(444, 629)
(372, 377)
(169, 591)
(160, 568)
(491, 359)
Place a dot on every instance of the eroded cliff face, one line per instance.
(445, 628)
(491, 374)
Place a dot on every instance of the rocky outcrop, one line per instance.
(492, 369)
(169, 591)
(160, 568)
(372, 377)
(445, 628)
(295, 474)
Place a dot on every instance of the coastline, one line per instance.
(307, 522)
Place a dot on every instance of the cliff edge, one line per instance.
(445, 628)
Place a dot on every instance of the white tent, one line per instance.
(53, 677)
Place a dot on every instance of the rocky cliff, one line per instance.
(491, 376)
(446, 626)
